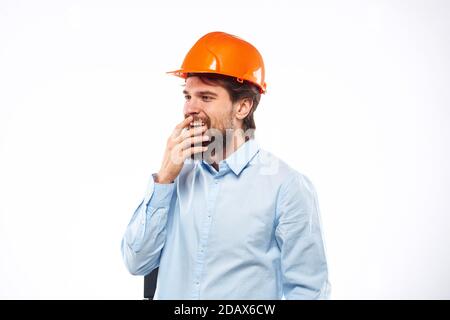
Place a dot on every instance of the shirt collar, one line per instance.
(239, 159)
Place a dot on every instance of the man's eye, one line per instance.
(206, 98)
(187, 97)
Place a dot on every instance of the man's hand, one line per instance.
(183, 143)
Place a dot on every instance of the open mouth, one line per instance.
(196, 124)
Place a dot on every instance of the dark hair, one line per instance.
(237, 90)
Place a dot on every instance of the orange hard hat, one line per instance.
(223, 53)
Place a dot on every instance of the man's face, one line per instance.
(208, 104)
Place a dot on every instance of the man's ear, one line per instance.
(243, 108)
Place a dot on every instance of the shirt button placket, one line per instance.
(204, 234)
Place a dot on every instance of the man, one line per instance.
(222, 218)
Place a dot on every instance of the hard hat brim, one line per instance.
(183, 74)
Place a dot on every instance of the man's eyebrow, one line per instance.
(202, 93)
(205, 93)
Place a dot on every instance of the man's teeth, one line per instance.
(196, 124)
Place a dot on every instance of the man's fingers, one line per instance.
(188, 152)
(192, 132)
(193, 140)
(189, 133)
(183, 124)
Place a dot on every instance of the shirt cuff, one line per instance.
(162, 194)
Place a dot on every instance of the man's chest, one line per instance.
(230, 216)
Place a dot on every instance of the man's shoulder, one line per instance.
(286, 179)
(274, 168)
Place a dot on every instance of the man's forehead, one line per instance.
(194, 84)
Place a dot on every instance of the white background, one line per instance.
(358, 100)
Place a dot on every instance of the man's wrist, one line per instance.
(162, 179)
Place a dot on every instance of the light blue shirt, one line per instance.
(248, 231)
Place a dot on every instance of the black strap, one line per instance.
(150, 284)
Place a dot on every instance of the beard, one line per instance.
(217, 131)
(221, 139)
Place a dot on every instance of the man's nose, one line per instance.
(192, 107)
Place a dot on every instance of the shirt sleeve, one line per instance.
(299, 237)
(146, 233)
